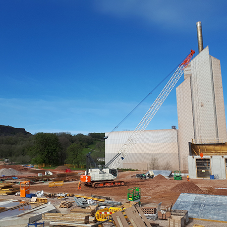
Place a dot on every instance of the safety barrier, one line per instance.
(104, 214)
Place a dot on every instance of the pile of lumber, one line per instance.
(91, 210)
(135, 217)
(74, 218)
(65, 204)
(7, 189)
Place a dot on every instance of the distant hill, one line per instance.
(11, 131)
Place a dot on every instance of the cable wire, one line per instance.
(143, 100)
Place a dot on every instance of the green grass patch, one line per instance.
(78, 169)
(72, 168)
(49, 167)
(124, 170)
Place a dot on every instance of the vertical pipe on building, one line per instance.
(199, 36)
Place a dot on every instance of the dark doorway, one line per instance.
(203, 167)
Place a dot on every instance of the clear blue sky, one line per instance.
(81, 66)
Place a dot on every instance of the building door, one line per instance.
(203, 168)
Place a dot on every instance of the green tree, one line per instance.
(97, 136)
(83, 140)
(65, 140)
(74, 154)
(98, 152)
(46, 149)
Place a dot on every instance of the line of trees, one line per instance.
(51, 148)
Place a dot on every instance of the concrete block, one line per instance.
(211, 207)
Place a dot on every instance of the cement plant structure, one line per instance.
(201, 120)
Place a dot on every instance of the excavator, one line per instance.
(105, 177)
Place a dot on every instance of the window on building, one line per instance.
(203, 167)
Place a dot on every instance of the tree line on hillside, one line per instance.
(51, 148)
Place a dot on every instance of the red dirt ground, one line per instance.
(16, 167)
(153, 191)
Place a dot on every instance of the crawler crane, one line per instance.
(104, 177)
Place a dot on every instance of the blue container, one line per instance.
(30, 195)
(211, 177)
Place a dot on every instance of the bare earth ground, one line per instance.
(153, 191)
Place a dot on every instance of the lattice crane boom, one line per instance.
(115, 162)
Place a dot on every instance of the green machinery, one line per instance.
(177, 175)
(134, 194)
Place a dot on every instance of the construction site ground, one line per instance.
(153, 191)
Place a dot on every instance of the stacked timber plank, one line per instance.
(135, 217)
(91, 210)
(7, 189)
(65, 204)
(76, 218)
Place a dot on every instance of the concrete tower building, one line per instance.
(200, 105)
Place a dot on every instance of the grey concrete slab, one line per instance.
(29, 216)
(212, 207)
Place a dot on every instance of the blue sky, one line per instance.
(81, 66)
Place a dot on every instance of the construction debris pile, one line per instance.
(9, 172)
(159, 177)
(188, 187)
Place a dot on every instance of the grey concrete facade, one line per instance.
(156, 149)
(200, 105)
(217, 166)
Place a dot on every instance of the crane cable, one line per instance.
(106, 137)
